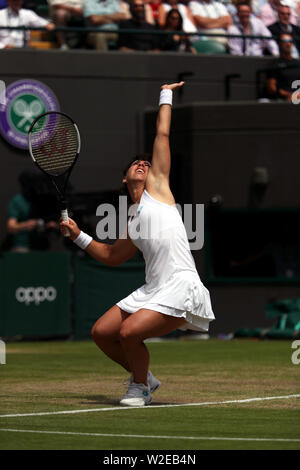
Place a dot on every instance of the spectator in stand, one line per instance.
(105, 14)
(15, 15)
(137, 42)
(24, 226)
(249, 25)
(284, 71)
(269, 12)
(148, 12)
(154, 5)
(62, 12)
(211, 17)
(175, 42)
(284, 26)
(231, 7)
(188, 22)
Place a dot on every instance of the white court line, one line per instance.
(144, 436)
(118, 408)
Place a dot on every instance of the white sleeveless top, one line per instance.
(172, 283)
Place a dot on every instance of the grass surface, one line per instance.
(57, 376)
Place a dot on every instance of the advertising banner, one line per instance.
(35, 297)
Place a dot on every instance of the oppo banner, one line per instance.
(35, 294)
(35, 297)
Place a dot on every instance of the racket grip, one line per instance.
(65, 218)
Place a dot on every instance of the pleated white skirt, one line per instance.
(183, 296)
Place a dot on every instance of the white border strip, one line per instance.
(118, 408)
(143, 436)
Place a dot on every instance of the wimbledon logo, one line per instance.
(25, 100)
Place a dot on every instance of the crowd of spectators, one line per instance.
(202, 20)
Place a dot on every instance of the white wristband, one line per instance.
(83, 240)
(166, 96)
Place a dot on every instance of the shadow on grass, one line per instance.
(105, 400)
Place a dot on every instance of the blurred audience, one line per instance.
(148, 12)
(249, 17)
(105, 14)
(136, 41)
(154, 5)
(62, 13)
(211, 17)
(231, 7)
(34, 4)
(256, 5)
(175, 42)
(25, 229)
(188, 22)
(284, 71)
(269, 11)
(250, 25)
(283, 25)
(15, 15)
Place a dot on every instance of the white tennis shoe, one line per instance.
(136, 395)
(153, 382)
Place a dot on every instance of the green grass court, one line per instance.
(41, 377)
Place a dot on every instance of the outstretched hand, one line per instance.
(173, 86)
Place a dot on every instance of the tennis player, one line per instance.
(173, 296)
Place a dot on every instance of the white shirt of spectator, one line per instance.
(254, 47)
(69, 3)
(210, 9)
(23, 18)
(268, 13)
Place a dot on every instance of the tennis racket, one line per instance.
(54, 146)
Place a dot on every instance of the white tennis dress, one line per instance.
(173, 286)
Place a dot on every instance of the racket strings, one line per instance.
(54, 144)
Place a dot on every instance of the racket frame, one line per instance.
(61, 191)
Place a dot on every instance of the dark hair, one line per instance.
(131, 6)
(143, 156)
(170, 12)
(147, 157)
(283, 6)
(243, 4)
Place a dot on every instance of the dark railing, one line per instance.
(93, 29)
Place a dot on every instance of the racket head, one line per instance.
(54, 143)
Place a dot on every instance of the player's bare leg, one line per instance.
(135, 329)
(106, 334)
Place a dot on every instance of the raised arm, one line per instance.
(157, 183)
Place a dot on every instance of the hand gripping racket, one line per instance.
(54, 146)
